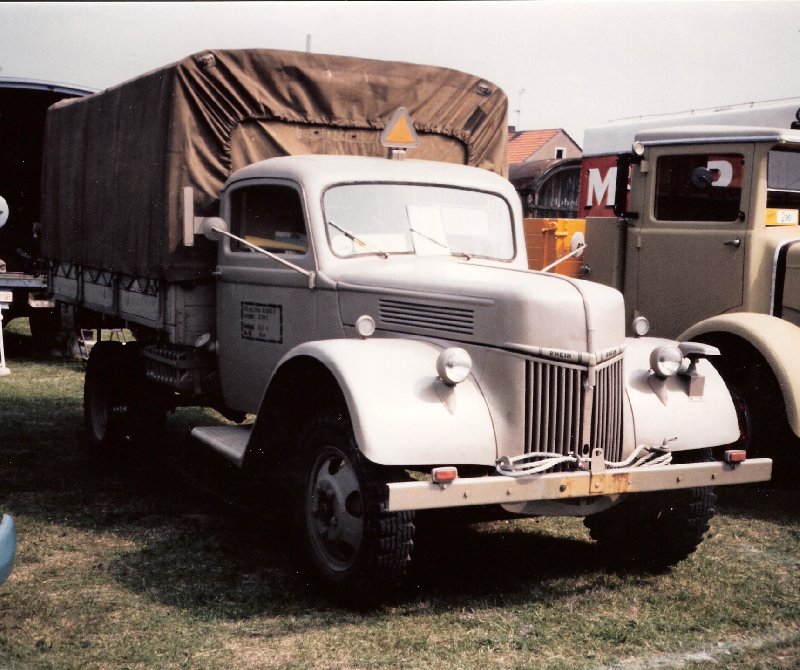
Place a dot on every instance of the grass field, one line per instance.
(144, 569)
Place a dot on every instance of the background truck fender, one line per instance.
(776, 340)
(682, 422)
(402, 413)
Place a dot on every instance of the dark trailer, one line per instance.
(23, 106)
(548, 188)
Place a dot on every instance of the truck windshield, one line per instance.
(417, 219)
(783, 187)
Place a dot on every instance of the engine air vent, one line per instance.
(429, 317)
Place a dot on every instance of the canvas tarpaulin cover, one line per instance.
(116, 161)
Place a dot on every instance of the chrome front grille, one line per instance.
(554, 413)
(561, 401)
(607, 411)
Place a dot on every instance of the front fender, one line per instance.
(682, 422)
(778, 341)
(402, 413)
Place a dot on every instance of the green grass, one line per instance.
(144, 569)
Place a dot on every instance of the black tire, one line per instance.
(758, 401)
(763, 426)
(358, 552)
(651, 532)
(45, 325)
(121, 411)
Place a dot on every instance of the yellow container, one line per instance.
(548, 240)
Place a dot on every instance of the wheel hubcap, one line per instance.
(335, 509)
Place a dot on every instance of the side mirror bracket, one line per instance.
(209, 227)
(624, 163)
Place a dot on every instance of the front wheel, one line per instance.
(359, 552)
(651, 532)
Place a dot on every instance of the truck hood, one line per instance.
(484, 303)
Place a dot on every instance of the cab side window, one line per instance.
(269, 216)
(700, 187)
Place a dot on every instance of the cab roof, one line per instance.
(716, 135)
(323, 171)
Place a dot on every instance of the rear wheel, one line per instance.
(120, 410)
(359, 552)
(651, 532)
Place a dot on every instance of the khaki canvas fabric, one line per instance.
(116, 161)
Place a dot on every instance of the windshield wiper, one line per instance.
(357, 240)
(453, 252)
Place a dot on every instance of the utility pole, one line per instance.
(519, 108)
(308, 43)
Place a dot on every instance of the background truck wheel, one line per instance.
(758, 401)
(763, 426)
(359, 553)
(120, 411)
(652, 532)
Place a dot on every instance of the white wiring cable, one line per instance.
(518, 466)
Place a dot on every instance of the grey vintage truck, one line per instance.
(371, 321)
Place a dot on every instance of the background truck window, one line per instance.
(683, 195)
(269, 216)
(783, 179)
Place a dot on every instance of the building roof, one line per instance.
(521, 144)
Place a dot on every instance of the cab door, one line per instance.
(689, 243)
(264, 307)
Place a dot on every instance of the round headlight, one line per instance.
(666, 361)
(453, 365)
(641, 326)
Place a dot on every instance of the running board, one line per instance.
(230, 442)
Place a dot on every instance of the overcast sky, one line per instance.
(567, 65)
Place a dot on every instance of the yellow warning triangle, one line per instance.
(399, 132)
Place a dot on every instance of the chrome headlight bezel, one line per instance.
(453, 365)
(666, 361)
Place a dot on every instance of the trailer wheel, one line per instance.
(358, 552)
(651, 532)
(119, 410)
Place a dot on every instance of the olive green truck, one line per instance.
(368, 324)
(696, 219)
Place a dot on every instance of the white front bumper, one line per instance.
(498, 489)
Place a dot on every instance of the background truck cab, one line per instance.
(698, 228)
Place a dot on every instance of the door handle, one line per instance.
(735, 242)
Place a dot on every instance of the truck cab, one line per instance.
(709, 214)
(415, 257)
